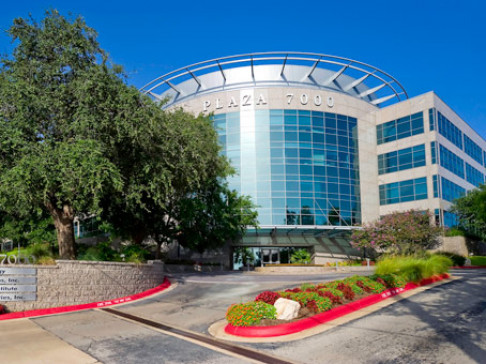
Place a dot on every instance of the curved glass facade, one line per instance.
(300, 167)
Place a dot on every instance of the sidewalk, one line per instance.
(23, 341)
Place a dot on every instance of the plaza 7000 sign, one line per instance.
(249, 100)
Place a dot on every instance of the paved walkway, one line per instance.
(22, 336)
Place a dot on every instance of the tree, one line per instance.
(51, 154)
(471, 211)
(400, 232)
(32, 229)
(177, 191)
(213, 216)
(75, 139)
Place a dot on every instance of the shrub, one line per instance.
(413, 269)
(44, 260)
(347, 291)
(309, 287)
(319, 304)
(251, 313)
(100, 252)
(355, 287)
(390, 280)
(457, 260)
(437, 264)
(2, 309)
(133, 253)
(335, 299)
(478, 260)
(301, 256)
(268, 297)
(312, 300)
(304, 297)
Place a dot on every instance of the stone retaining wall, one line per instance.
(76, 282)
(311, 269)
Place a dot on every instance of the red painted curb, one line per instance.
(471, 267)
(85, 306)
(307, 323)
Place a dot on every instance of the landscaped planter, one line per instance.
(339, 311)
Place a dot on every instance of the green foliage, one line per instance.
(100, 252)
(213, 216)
(402, 233)
(475, 260)
(334, 291)
(390, 280)
(305, 286)
(413, 269)
(301, 256)
(75, 140)
(251, 313)
(471, 211)
(104, 251)
(133, 253)
(243, 255)
(365, 284)
(34, 228)
(455, 232)
(457, 260)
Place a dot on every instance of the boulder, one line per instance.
(287, 309)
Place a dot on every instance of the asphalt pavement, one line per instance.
(446, 324)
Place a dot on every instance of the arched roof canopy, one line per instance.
(278, 69)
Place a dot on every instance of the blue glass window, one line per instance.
(402, 159)
(409, 190)
(450, 190)
(474, 176)
(432, 119)
(435, 181)
(400, 128)
(305, 163)
(451, 161)
(433, 152)
(449, 130)
(473, 150)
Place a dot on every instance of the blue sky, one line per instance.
(427, 45)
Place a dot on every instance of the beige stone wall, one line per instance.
(77, 282)
(454, 244)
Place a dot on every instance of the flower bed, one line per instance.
(319, 303)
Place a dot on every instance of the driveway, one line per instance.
(446, 324)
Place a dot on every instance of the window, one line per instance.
(449, 130)
(433, 152)
(400, 128)
(402, 159)
(451, 161)
(474, 176)
(451, 191)
(403, 191)
(432, 119)
(473, 150)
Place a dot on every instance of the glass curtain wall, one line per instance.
(300, 167)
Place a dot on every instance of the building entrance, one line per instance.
(250, 257)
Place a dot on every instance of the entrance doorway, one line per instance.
(250, 257)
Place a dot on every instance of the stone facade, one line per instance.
(77, 282)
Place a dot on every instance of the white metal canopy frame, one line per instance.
(278, 69)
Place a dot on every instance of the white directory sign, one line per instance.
(18, 284)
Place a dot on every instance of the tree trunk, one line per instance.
(63, 221)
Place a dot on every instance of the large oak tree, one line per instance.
(75, 139)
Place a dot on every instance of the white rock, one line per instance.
(287, 309)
